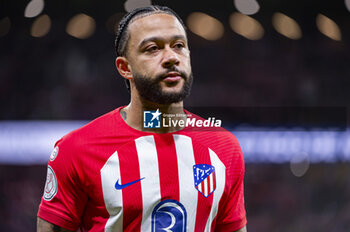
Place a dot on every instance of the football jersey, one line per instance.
(107, 176)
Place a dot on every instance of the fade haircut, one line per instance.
(123, 36)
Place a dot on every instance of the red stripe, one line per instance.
(132, 196)
(168, 169)
(204, 204)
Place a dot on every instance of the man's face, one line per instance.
(159, 58)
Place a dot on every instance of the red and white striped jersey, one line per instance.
(107, 176)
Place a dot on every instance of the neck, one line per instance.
(133, 114)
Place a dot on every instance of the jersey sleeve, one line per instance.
(232, 214)
(64, 198)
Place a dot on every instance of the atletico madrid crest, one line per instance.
(204, 178)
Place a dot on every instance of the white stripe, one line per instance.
(110, 173)
(148, 161)
(188, 192)
(220, 173)
(205, 182)
(200, 187)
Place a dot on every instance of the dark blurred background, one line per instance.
(57, 63)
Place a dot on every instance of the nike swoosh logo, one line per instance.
(121, 186)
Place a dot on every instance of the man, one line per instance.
(112, 175)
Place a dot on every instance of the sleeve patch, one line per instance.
(50, 185)
(54, 154)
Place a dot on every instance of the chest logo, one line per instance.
(204, 179)
(169, 215)
(121, 186)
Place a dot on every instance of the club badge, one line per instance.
(204, 178)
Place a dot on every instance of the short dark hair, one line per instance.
(122, 36)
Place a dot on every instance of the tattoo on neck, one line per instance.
(123, 114)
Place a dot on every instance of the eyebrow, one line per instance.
(156, 38)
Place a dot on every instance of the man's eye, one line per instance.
(152, 49)
(179, 45)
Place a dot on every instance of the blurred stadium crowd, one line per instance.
(61, 77)
(58, 76)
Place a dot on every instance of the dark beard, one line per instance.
(150, 89)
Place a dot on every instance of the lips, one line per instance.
(172, 77)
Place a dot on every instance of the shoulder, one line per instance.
(224, 143)
(221, 141)
(92, 141)
(83, 149)
(212, 135)
(94, 130)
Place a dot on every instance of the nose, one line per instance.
(170, 58)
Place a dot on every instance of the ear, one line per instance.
(123, 67)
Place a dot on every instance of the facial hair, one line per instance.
(150, 88)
